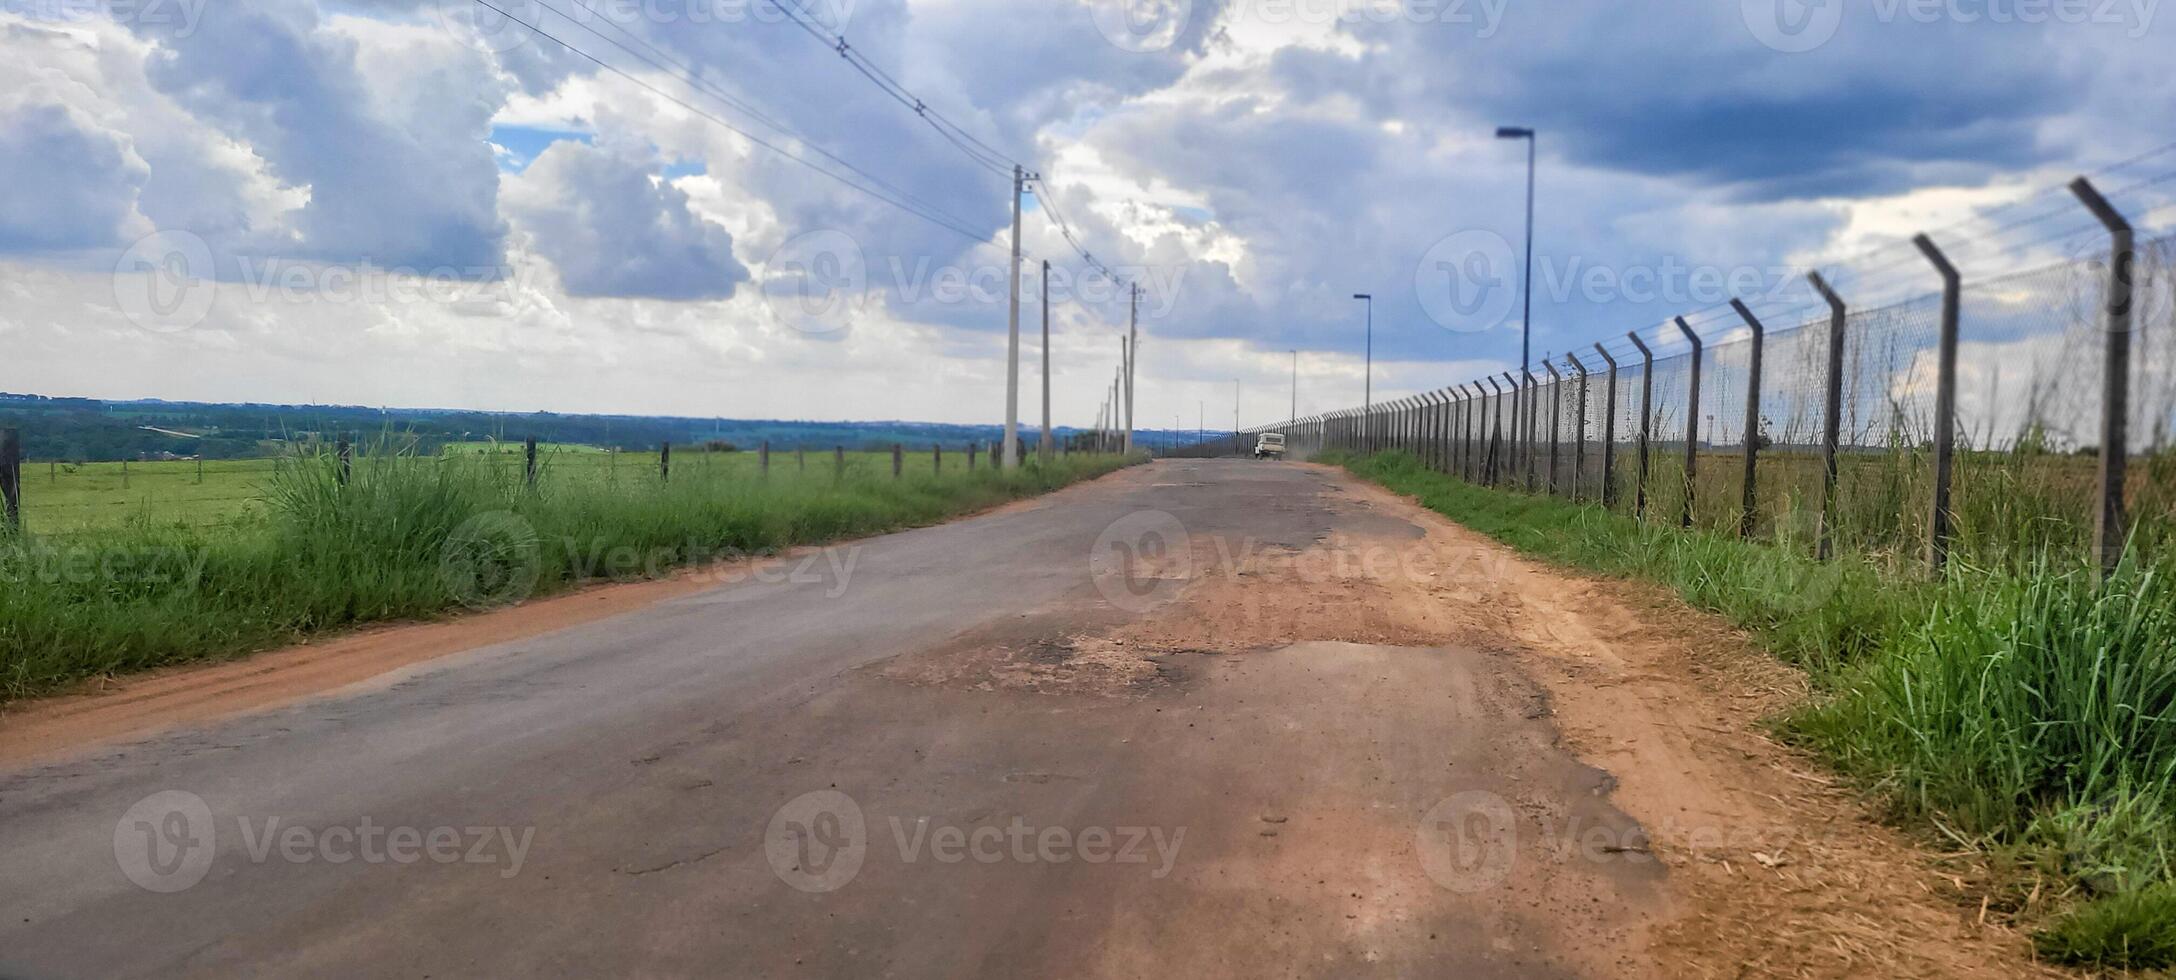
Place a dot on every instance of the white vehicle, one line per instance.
(1269, 446)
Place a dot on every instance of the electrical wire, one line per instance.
(932, 216)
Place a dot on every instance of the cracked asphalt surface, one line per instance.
(953, 761)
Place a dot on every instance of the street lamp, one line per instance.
(1295, 410)
(1367, 382)
(1526, 280)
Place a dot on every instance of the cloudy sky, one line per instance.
(700, 207)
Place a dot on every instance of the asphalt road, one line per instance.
(934, 753)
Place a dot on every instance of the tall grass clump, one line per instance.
(2024, 706)
(408, 537)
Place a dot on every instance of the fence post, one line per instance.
(763, 458)
(1609, 431)
(664, 461)
(936, 457)
(1496, 436)
(1945, 404)
(528, 469)
(1556, 421)
(1692, 421)
(1832, 415)
(970, 455)
(838, 463)
(1579, 444)
(1532, 401)
(1477, 429)
(1446, 409)
(11, 479)
(800, 459)
(899, 454)
(345, 461)
(2110, 523)
(1647, 424)
(1749, 502)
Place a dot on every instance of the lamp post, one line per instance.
(1295, 411)
(1526, 279)
(1367, 382)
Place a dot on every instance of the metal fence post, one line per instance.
(1832, 411)
(1533, 409)
(1692, 421)
(1556, 427)
(11, 480)
(1749, 502)
(1647, 424)
(2109, 522)
(1500, 458)
(1609, 430)
(1945, 404)
(1579, 442)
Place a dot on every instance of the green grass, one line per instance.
(2022, 707)
(416, 537)
(68, 498)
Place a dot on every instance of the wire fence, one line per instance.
(60, 498)
(1722, 420)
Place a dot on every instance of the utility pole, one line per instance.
(1046, 448)
(1295, 412)
(1133, 359)
(1011, 457)
(1235, 406)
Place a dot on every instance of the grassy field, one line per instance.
(412, 537)
(2022, 709)
(66, 498)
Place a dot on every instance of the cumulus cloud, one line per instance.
(72, 183)
(614, 227)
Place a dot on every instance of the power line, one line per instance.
(930, 215)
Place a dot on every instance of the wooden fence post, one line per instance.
(11, 479)
(838, 463)
(936, 457)
(1747, 507)
(1832, 415)
(970, 455)
(763, 458)
(1609, 431)
(2110, 524)
(664, 461)
(528, 449)
(1945, 404)
(1692, 421)
(345, 461)
(899, 454)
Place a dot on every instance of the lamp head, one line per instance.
(1514, 133)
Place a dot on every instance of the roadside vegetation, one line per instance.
(411, 537)
(2019, 707)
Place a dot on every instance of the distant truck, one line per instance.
(1269, 446)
